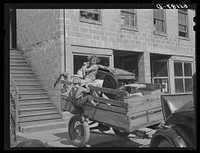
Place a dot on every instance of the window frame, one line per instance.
(129, 27)
(163, 20)
(163, 77)
(86, 54)
(187, 24)
(98, 22)
(183, 77)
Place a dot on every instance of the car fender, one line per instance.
(170, 134)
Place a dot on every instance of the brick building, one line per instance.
(158, 45)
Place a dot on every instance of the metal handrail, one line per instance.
(15, 96)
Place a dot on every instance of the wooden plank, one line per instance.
(104, 104)
(133, 101)
(67, 105)
(145, 125)
(117, 92)
(107, 117)
(110, 101)
(109, 107)
(144, 118)
(143, 106)
(156, 116)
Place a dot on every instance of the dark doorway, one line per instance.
(13, 33)
(126, 60)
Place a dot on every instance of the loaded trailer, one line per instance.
(123, 105)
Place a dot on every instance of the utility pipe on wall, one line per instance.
(64, 42)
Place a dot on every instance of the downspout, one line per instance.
(64, 42)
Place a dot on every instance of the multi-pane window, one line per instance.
(128, 17)
(90, 14)
(160, 74)
(159, 20)
(79, 59)
(183, 22)
(183, 76)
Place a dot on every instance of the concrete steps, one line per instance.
(42, 125)
(36, 110)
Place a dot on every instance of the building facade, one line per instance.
(157, 45)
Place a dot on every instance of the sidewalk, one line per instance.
(60, 138)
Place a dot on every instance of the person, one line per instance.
(80, 93)
(81, 71)
(90, 69)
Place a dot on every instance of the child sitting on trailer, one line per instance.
(80, 93)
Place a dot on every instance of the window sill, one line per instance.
(132, 28)
(90, 21)
(159, 33)
(183, 93)
(184, 38)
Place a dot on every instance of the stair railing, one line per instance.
(14, 91)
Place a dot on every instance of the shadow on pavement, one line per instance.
(98, 139)
(63, 138)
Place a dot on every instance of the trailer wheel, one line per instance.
(121, 133)
(79, 131)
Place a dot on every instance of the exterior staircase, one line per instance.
(36, 110)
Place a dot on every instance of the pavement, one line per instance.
(60, 138)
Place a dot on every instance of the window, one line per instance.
(160, 74)
(183, 76)
(80, 59)
(128, 18)
(183, 22)
(159, 20)
(90, 15)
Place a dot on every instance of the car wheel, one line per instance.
(165, 143)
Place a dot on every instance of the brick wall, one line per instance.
(40, 36)
(110, 35)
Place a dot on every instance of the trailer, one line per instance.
(123, 105)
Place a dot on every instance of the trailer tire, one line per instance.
(79, 131)
(120, 133)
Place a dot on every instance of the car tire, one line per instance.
(165, 143)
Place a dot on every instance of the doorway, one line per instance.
(12, 28)
(127, 60)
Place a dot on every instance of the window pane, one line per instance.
(183, 34)
(188, 85)
(127, 17)
(187, 69)
(104, 61)
(163, 81)
(178, 69)
(158, 14)
(163, 27)
(179, 85)
(89, 15)
(160, 69)
(80, 59)
(182, 28)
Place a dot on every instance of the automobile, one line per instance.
(179, 128)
